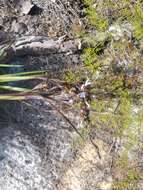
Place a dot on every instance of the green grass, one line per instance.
(11, 92)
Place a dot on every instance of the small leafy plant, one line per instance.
(112, 62)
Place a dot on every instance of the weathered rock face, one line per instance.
(34, 150)
(35, 143)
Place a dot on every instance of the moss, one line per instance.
(95, 20)
(137, 21)
(126, 176)
(129, 181)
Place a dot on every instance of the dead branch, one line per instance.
(40, 45)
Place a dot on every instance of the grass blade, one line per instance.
(7, 65)
(12, 78)
(11, 88)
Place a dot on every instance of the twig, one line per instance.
(117, 107)
(66, 118)
(96, 147)
(73, 126)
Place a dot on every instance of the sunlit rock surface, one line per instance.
(34, 150)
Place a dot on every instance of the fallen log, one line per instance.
(39, 45)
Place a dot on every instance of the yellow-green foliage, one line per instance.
(126, 175)
(95, 20)
(111, 63)
(7, 79)
(138, 21)
(128, 182)
(114, 66)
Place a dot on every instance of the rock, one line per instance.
(23, 6)
(3, 37)
(19, 27)
(87, 172)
